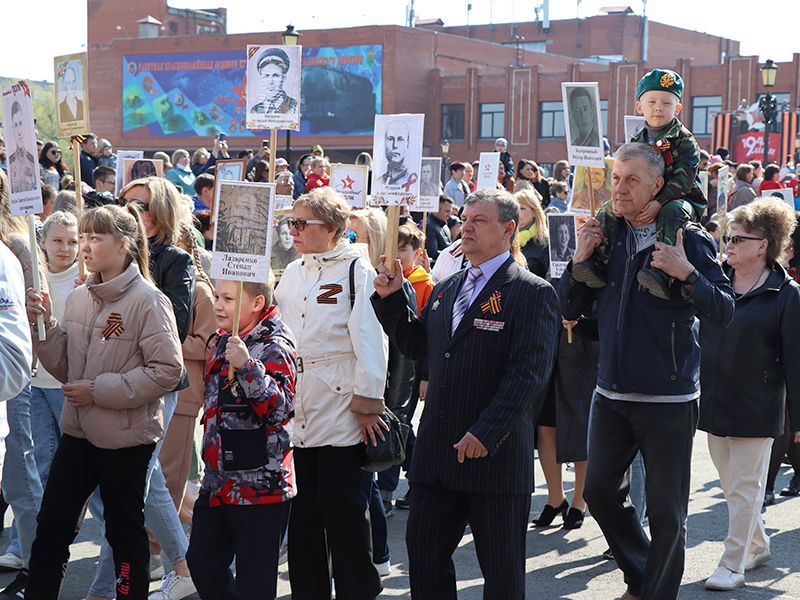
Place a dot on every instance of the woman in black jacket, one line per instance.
(749, 372)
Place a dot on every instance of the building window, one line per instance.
(703, 109)
(492, 117)
(604, 116)
(551, 123)
(452, 122)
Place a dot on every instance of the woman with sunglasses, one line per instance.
(341, 354)
(749, 372)
(52, 165)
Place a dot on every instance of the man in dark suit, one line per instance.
(489, 333)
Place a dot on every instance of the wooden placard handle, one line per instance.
(391, 238)
(76, 155)
(237, 312)
(37, 284)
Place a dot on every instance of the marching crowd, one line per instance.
(646, 336)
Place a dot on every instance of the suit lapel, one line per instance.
(501, 277)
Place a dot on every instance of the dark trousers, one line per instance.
(78, 468)
(371, 496)
(436, 524)
(329, 526)
(664, 433)
(252, 534)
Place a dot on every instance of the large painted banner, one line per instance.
(204, 93)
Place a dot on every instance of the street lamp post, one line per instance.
(445, 158)
(768, 104)
(290, 37)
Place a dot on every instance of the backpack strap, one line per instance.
(353, 284)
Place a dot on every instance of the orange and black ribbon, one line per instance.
(113, 326)
(492, 304)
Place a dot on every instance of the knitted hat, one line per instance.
(662, 80)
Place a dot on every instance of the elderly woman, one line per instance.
(529, 177)
(749, 372)
(532, 234)
(181, 175)
(341, 360)
(743, 191)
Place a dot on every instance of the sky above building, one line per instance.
(41, 33)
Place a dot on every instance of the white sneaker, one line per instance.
(724, 580)
(10, 562)
(156, 567)
(174, 587)
(758, 560)
(384, 569)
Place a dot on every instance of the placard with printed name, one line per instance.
(430, 185)
(488, 171)
(563, 240)
(351, 182)
(25, 186)
(72, 99)
(273, 87)
(397, 158)
(582, 123)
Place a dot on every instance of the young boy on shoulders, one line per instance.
(243, 507)
(680, 199)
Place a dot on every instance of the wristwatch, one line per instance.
(692, 278)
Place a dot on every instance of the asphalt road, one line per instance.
(561, 563)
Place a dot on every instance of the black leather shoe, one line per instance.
(549, 513)
(793, 489)
(608, 554)
(592, 272)
(574, 519)
(655, 281)
(769, 498)
(404, 503)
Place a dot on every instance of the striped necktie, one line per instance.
(462, 302)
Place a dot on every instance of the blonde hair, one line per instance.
(8, 224)
(177, 155)
(164, 207)
(188, 240)
(123, 224)
(317, 161)
(375, 223)
(532, 200)
(771, 219)
(328, 205)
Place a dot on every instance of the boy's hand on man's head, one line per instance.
(236, 352)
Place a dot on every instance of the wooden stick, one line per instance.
(569, 333)
(391, 238)
(425, 223)
(591, 191)
(237, 311)
(37, 284)
(273, 145)
(76, 154)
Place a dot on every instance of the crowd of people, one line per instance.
(103, 403)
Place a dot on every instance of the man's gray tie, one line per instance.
(462, 302)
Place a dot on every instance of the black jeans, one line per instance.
(252, 533)
(664, 433)
(78, 468)
(330, 524)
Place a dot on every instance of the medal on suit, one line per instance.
(436, 303)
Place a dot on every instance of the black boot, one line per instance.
(654, 281)
(592, 272)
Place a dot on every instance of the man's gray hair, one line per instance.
(653, 158)
(507, 207)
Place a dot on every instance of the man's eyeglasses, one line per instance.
(737, 239)
(300, 224)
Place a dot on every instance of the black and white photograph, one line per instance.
(430, 187)
(397, 152)
(139, 168)
(563, 238)
(273, 87)
(633, 125)
(121, 156)
(72, 103)
(583, 123)
(21, 152)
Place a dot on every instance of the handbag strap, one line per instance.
(353, 284)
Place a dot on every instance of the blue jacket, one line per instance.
(649, 345)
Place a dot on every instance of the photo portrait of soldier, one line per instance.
(429, 178)
(243, 220)
(22, 172)
(582, 108)
(272, 66)
(139, 168)
(397, 159)
(562, 237)
(71, 108)
(396, 144)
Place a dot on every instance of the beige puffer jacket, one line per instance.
(121, 335)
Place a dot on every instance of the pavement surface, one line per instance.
(561, 563)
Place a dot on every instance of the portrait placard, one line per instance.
(582, 123)
(25, 187)
(283, 205)
(579, 200)
(273, 87)
(121, 156)
(351, 182)
(563, 238)
(72, 94)
(243, 214)
(723, 185)
(633, 125)
(230, 169)
(139, 168)
(397, 159)
(785, 194)
(430, 185)
(703, 176)
(488, 171)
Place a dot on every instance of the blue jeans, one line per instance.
(22, 488)
(45, 412)
(160, 515)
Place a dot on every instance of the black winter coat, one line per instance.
(750, 368)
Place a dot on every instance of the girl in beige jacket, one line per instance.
(117, 352)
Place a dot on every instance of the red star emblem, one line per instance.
(348, 183)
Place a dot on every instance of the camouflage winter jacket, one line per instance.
(248, 423)
(682, 158)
